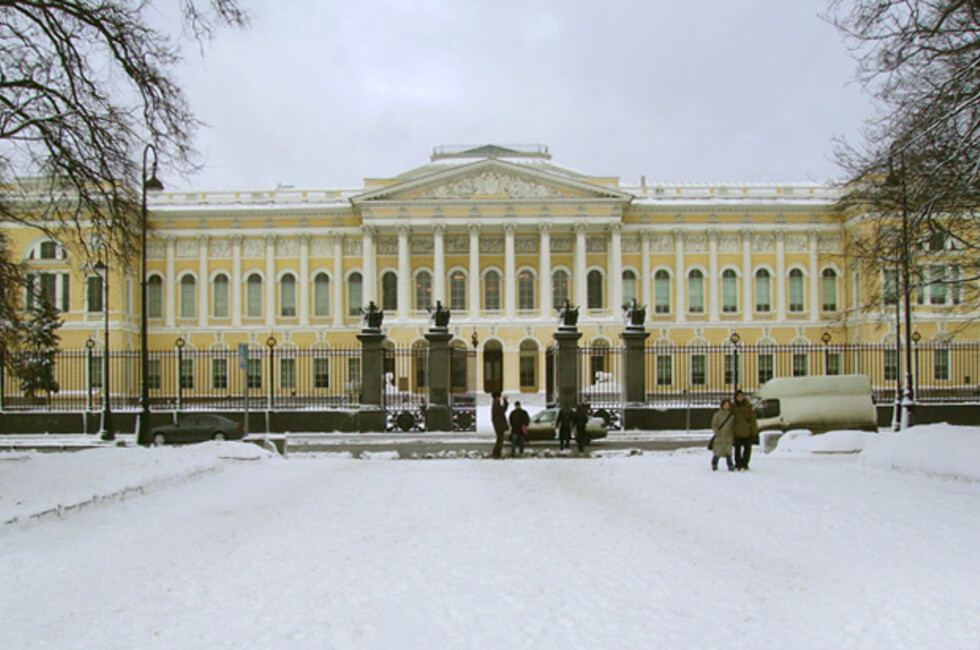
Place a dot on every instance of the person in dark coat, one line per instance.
(746, 430)
(498, 415)
(580, 421)
(519, 419)
(723, 424)
(564, 423)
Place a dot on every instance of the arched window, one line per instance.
(389, 291)
(796, 290)
(593, 287)
(829, 289)
(529, 365)
(154, 297)
(253, 297)
(188, 296)
(695, 292)
(763, 291)
(457, 290)
(629, 286)
(729, 291)
(661, 292)
(219, 296)
(287, 295)
(525, 290)
(354, 294)
(559, 289)
(423, 290)
(491, 291)
(321, 295)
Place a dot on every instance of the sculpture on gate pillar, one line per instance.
(439, 316)
(567, 316)
(634, 315)
(373, 317)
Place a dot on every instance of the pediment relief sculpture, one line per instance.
(490, 183)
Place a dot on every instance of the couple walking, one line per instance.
(517, 422)
(569, 419)
(735, 429)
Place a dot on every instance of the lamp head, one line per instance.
(271, 342)
(734, 338)
(179, 342)
(153, 184)
(825, 337)
(90, 344)
(916, 337)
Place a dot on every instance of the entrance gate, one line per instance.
(404, 389)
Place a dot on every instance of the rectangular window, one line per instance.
(829, 292)
(287, 297)
(219, 374)
(253, 298)
(188, 299)
(891, 365)
(187, 374)
(155, 374)
(695, 288)
(287, 373)
(799, 364)
(525, 291)
(665, 370)
(491, 292)
(94, 284)
(763, 293)
(765, 368)
(527, 371)
(937, 291)
(321, 372)
(941, 364)
(65, 292)
(354, 296)
(956, 288)
(154, 298)
(729, 294)
(699, 366)
(833, 363)
(795, 291)
(890, 286)
(661, 289)
(48, 287)
(254, 373)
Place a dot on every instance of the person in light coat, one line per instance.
(723, 424)
(746, 430)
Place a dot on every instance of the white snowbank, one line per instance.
(802, 441)
(933, 449)
(49, 484)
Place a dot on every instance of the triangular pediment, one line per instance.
(491, 180)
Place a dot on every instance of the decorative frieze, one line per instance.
(353, 247)
(729, 243)
(562, 243)
(796, 243)
(490, 184)
(491, 244)
(156, 249)
(422, 245)
(187, 248)
(386, 245)
(763, 243)
(457, 244)
(631, 244)
(526, 244)
(595, 243)
(662, 244)
(287, 247)
(320, 247)
(219, 249)
(827, 243)
(696, 243)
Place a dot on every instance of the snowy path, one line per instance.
(646, 552)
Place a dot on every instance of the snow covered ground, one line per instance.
(223, 545)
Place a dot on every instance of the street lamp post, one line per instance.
(916, 337)
(102, 268)
(179, 343)
(89, 344)
(735, 338)
(825, 337)
(154, 185)
(271, 342)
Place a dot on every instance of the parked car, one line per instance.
(543, 427)
(195, 428)
(818, 403)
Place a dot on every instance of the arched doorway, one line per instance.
(493, 367)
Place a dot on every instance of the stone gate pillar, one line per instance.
(634, 369)
(370, 416)
(567, 370)
(438, 413)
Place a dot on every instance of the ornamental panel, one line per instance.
(491, 244)
(631, 244)
(526, 244)
(729, 243)
(187, 248)
(763, 243)
(253, 249)
(320, 247)
(156, 250)
(219, 249)
(386, 245)
(422, 245)
(696, 243)
(490, 184)
(457, 244)
(796, 243)
(829, 243)
(662, 244)
(595, 243)
(287, 247)
(353, 246)
(561, 244)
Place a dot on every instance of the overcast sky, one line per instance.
(321, 94)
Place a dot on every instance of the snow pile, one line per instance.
(41, 485)
(933, 449)
(802, 442)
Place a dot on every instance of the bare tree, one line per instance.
(84, 86)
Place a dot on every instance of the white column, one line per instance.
(579, 283)
(439, 264)
(748, 280)
(544, 270)
(681, 276)
(203, 283)
(510, 272)
(714, 284)
(404, 274)
(170, 283)
(339, 309)
(781, 276)
(474, 274)
(304, 280)
(815, 301)
(615, 266)
(369, 283)
(646, 282)
(236, 280)
(270, 280)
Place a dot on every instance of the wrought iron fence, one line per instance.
(182, 379)
(702, 375)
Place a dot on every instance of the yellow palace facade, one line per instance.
(501, 236)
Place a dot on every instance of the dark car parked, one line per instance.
(543, 426)
(195, 428)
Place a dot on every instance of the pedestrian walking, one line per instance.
(746, 430)
(498, 415)
(723, 425)
(519, 419)
(580, 420)
(564, 424)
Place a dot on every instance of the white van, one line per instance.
(821, 403)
